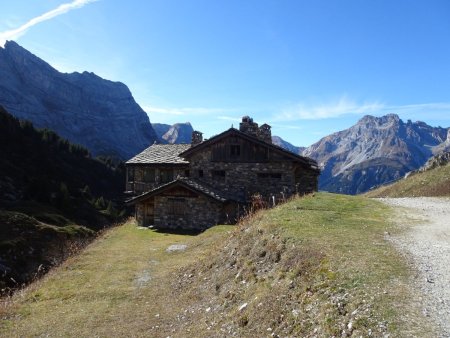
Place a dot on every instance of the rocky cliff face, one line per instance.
(84, 108)
(374, 151)
(176, 134)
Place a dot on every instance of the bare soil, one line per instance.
(426, 241)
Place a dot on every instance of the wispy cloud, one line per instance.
(187, 111)
(61, 9)
(343, 106)
(346, 106)
(229, 118)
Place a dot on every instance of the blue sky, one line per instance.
(308, 68)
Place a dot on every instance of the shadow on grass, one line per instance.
(187, 232)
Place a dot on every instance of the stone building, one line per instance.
(195, 186)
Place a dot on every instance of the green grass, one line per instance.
(315, 263)
(98, 291)
(434, 182)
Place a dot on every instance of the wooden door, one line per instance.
(149, 212)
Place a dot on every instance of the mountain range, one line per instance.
(84, 108)
(374, 151)
(102, 116)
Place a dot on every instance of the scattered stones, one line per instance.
(176, 247)
(143, 278)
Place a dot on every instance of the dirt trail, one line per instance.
(427, 241)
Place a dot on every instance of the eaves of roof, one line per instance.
(188, 184)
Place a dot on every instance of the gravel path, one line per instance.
(427, 242)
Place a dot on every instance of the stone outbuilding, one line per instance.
(208, 182)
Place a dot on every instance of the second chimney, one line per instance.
(197, 137)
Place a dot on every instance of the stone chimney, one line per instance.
(265, 134)
(251, 128)
(248, 126)
(197, 138)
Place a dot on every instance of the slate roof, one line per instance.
(189, 184)
(161, 154)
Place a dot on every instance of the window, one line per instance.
(166, 175)
(130, 175)
(177, 206)
(149, 175)
(269, 176)
(186, 173)
(200, 173)
(218, 174)
(235, 151)
(262, 154)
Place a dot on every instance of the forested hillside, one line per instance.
(52, 192)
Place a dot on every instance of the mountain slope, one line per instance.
(374, 151)
(175, 134)
(286, 145)
(84, 108)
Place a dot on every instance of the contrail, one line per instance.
(61, 9)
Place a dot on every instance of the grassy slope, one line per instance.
(435, 182)
(309, 267)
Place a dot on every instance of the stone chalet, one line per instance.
(208, 182)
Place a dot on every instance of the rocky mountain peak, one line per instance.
(370, 121)
(175, 134)
(86, 109)
(373, 151)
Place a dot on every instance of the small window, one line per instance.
(235, 151)
(262, 154)
(149, 175)
(186, 173)
(200, 173)
(218, 174)
(177, 206)
(166, 175)
(130, 175)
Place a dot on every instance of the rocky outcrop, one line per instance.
(82, 107)
(286, 145)
(444, 147)
(160, 129)
(376, 150)
(436, 161)
(176, 134)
